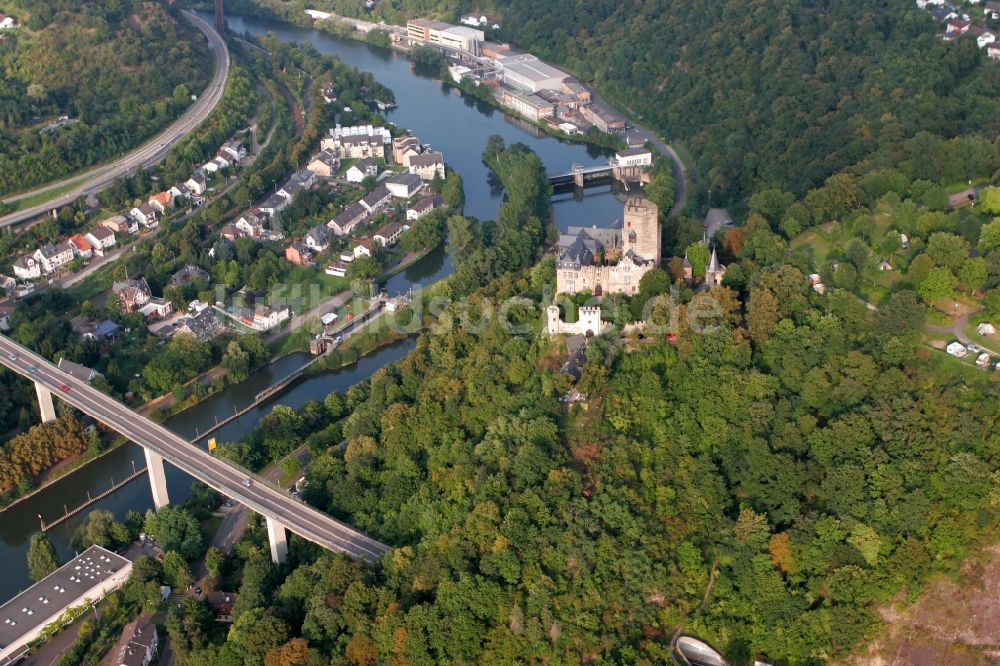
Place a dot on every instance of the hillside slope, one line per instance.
(123, 68)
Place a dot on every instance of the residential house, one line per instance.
(203, 325)
(197, 183)
(404, 147)
(361, 170)
(984, 37)
(957, 349)
(162, 201)
(328, 93)
(298, 254)
(300, 180)
(993, 51)
(337, 269)
(318, 238)
(7, 284)
(180, 190)
(146, 215)
(267, 317)
(428, 165)
(274, 204)
(231, 232)
(27, 268)
(377, 199)
(420, 209)
(94, 331)
(404, 185)
(222, 603)
(956, 27)
(81, 372)
(217, 163)
(636, 156)
(324, 164)
(82, 247)
(986, 329)
(234, 149)
(252, 222)
(992, 10)
(942, 14)
(344, 223)
(7, 22)
(138, 645)
(101, 239)
(157, 308)
(132, 294)
(389, 234)
(187, 275)
(121, 224)
(53, 257)
(363, 248)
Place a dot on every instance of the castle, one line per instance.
(610, 260)
(588, 323)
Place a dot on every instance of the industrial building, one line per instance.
(529, 105)
(527, 72)
(455, 37)
(82, 581)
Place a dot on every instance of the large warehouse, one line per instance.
(83, 580)
(527, 72)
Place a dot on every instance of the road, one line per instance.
(260, 497)
(146, 155)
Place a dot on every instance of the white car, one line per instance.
(247, 482)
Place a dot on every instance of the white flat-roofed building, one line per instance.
(527, 72)
(461, 38)
(84, 580)
(635, 156)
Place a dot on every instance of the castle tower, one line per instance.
(590, 321)
(714, 272)
(641, 229)
(553, 325)
(220, 18)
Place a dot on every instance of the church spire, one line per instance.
(713, 264)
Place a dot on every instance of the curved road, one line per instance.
(146, 155)
(260, 496)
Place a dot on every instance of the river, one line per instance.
(457, 126)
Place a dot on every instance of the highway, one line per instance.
(219, 474)
(146, 155)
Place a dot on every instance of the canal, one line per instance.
(457, 126)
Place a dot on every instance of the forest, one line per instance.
(120, 70)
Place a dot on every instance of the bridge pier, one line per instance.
(45, 405)
(279, 540)
(157, 478)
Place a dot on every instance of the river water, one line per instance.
(453, 124)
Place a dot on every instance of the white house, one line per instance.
(361, 170)
(197, 184)
(420, 209)
(986, 328)
(377, 199)
(344, 223)
(404, 185)
(53, 257)
(318, 238)
(144, 215)
(337, 269)
(389, 234)
(7, 22)
(101, 237)
(267, 317)
(234, 149)
(957, 349)
(27, 268)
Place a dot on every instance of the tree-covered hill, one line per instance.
(763, 92)
(123, 68)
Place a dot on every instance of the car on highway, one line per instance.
(32, 369)
(64, 388)
(247, 482)
(12, 357)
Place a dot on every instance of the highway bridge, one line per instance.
(146, 155)
(281, 510)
